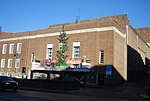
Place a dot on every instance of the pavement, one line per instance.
(142, 87)
(130, 90)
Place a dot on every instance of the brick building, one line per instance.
(108, 41)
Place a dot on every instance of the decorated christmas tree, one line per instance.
(61, 53)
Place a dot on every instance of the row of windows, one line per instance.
(11, 48)
(10, 73)
(10, 61)
(76, 52)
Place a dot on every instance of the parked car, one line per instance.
(71, 78)
(8, 83)
(40, 77)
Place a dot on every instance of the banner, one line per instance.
(74, 61)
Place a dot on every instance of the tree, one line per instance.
(61, 53)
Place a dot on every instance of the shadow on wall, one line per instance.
(136, 69)
(148, 66)
(107, 75)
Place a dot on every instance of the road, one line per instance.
(125, 92)
(82, 95)
(24, 95)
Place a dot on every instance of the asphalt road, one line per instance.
(125, 92)
(25, 95)
(28, 95)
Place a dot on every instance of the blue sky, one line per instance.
(27, 15)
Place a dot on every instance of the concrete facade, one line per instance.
(114, 35)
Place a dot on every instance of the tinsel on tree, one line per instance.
(61, 53)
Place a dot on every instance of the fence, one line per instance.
(47, 84)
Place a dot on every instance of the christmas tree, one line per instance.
(61, 53)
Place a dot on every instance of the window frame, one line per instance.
(3, 61)
(76, 44)
(49, 47)
(101, 57)
(4, 49)
(10, 62)
(11, 48)
(19, 48)
(76, 51)
(17, 61)
(50, 53)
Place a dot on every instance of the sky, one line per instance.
(28, 15)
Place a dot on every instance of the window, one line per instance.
(4, 49)
(9, 74)
(2, 63)
(32, 57)
(11, 48)
(2, 73)
(17, 63)
(101, 57)
(19, 46)
(17, 74)
(76, 50)
(9, 63)
(49, 51)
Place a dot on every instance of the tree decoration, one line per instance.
(61, 53)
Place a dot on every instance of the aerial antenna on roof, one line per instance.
(62, 29)
(78, 16)
(124, 12)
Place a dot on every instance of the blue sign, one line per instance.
(109, 72)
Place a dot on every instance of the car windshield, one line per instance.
(5, 78)
(70, 78)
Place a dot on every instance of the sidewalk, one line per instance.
(144, 87)
(129, 91)
(145, 96)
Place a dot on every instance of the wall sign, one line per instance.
(109, 72)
